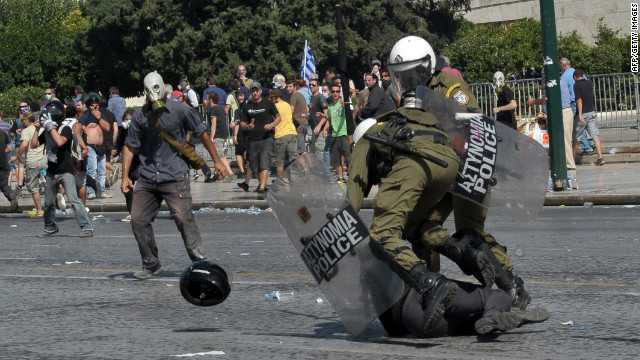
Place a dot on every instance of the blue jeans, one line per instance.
(327, 150)
(67, 181)
(586, 144)
(99, 163)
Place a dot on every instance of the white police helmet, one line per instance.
(362, 128)
(411, 63)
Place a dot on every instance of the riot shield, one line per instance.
(500, 168)
(333, 243)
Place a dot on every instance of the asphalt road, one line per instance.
(71, 298)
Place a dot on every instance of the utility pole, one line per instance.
(552, 88)
(342, 69)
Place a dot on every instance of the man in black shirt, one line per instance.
(506, 103)
(260, 116)
(318, 105)
(60, 168)
(586, 116)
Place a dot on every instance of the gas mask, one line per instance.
(184, 86)
(498, 79)
(154, 90)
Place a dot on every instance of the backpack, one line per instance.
(76, 153)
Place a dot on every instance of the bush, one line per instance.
(10, 99)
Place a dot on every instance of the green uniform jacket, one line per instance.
(452, 87)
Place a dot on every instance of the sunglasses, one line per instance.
(335, 92)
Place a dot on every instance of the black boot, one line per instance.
(470, 260)
(436, 291)
(510, 320)
(505, 280)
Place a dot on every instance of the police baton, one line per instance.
(404, 148)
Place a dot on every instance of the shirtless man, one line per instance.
(94, 123)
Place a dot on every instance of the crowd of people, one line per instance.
(162, 144)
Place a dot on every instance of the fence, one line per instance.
(616, 95)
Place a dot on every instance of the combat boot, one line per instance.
(510, 320)
(436, 292)
(505, 280)
(470, 260)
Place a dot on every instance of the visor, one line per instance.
(409, 75)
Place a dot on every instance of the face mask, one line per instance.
(242, 72)
(24, 110)
(276, 85)
(325, 96)
(126, 124)
(47, 96)
(385, 84)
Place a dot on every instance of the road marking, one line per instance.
(201, 354)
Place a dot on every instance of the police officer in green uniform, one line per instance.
(470, 217)
(409, 183)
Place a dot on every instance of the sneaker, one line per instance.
(86, 233)
(600, 161)
(262, 194)
(510, 320)
(244, 186)
(145, 274)
(48, 233)
(91, 196)
(127, 219)
(17, 192)
(106, 196)
(229, 178)
(195, 176)
(342, 182)
(62, 204)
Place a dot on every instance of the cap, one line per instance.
(176, 93)
(256, 85)
(184, 78)
(376, 62)
(275, 93)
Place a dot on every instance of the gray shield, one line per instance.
(500, 168)
(333, 243)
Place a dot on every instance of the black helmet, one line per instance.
(92, 98)
(204, 283)
(55, 109)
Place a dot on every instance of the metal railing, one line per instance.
(616, 95)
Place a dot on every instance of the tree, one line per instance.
(38, 44)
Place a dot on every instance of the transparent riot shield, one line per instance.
(333, 243)
(500, 168)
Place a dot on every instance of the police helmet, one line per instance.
(205, 283)
(55, 109)
(412, 62)
(362, 128)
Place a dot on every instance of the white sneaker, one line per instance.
(127, 219)
(91, 196)
(62, 204)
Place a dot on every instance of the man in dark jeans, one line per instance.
(164, 172)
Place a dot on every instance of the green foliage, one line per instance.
(480, 50)
(37, 44)
(10, 99)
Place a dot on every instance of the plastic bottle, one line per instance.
(570, 182)
(282, 295)
(550, 185)
(588, 204)
(613, 151)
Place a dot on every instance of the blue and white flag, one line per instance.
(308, 63)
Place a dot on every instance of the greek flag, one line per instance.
(308, 63)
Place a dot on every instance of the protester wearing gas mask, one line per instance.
(187, 91)
(158, 136)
